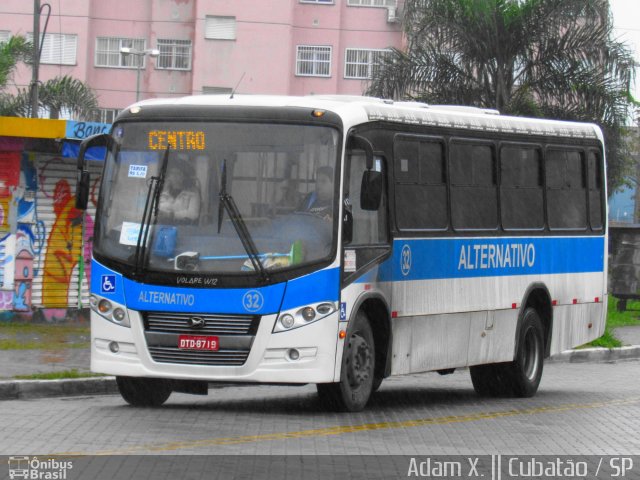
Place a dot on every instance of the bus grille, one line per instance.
(235, 333)
(167, 322)
(221, 357)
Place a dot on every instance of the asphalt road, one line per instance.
(580, 409)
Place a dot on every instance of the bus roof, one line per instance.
(355, 110)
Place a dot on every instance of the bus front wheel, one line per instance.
(352, 393)
(143, 392)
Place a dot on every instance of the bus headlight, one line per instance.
(104, 306)
(302, 316)
(119, 314)
(308, 313)
(109, 310)
(287, 321)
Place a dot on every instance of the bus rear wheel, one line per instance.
(526, 369)
(143, 392)
(521, 377)
(352, 393)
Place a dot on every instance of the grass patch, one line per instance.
(73, 373)
(617, 319)
(42, 329)
(13, 344)
(28, 336)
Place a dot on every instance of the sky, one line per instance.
(626, 20)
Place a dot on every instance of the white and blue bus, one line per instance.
(450, 237)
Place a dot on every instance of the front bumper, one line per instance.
(267, 362)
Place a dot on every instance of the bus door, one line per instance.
(365, 227)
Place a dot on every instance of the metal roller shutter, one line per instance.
(61, 281)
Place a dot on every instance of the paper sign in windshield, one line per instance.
(129, 234)
(138, 171)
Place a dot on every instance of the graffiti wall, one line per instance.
(45, 242)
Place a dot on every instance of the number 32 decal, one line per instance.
(252, 301)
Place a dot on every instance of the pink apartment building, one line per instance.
(288, 47)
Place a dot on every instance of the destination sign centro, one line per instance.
(176, 140)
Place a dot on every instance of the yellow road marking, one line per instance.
(340, 430)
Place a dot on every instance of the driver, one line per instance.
(180, 197)
(320, 201)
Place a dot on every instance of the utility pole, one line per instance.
(36, 58)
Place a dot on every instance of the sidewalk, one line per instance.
(38, 361)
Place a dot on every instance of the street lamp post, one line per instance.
(152, 52)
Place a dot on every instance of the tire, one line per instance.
(521, 377)
(490, 380)
(352, 393)
(143, 392)
(526, 370)
(377, 381)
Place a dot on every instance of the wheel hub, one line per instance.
(359, 361)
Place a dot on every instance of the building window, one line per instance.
(372, 3)
(57, 48)
(174, 54)
(220, 28)
(105, 115)
(108, 52)
(359, 62)
(313, 61)
(216, 90)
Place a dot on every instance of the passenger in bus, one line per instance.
(320, 201)
(180, 197)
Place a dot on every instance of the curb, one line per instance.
(598, 354)
(26, 389)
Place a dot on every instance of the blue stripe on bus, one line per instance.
(316, 287)
(259, 300)
(321, 286)
(432, 259)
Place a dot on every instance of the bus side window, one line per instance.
(521, 193)
(474, 198)
(566, 195)
(595, 190)
(420, 181)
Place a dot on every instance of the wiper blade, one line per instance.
(151, 203)
(227, 203)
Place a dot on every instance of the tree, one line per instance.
(55, 95)
(12, 51)
(67, 93)
(544, 58)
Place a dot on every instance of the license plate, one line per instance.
(197, 342)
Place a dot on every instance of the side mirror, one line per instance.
(371, 190)
(82, 189)
(84, 179)
(357, 142)
(100, 140)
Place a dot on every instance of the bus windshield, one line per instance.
(213, 188)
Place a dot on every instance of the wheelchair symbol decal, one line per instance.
(108, 284)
